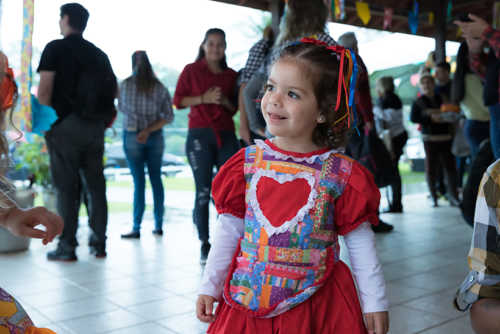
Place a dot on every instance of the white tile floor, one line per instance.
(149, 285)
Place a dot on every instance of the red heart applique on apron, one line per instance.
(281, 202)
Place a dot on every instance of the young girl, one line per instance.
(282, 204)
(13, 318)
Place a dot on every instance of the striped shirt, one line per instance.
(483, 280)
(140, 110)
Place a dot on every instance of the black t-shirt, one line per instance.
(418, 115)
(64, 57)
(444, 91)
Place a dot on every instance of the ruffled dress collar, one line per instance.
(309, 157)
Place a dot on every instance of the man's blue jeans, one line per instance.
(138, 156)
(495, 129)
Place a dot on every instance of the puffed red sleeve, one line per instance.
(183, 87)
(359, 202)
(228, 187)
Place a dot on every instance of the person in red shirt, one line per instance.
(208, 88)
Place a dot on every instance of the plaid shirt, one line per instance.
(256, 57)
(483, 279)
(258, 52)
(140, 110)
(478, 61)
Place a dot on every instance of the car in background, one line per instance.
(115, 162)
(415, 153)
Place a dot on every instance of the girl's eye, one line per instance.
(293, 95)
(268, 88)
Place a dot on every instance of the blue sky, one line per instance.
(171, 31)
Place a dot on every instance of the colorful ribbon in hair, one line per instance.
(347, 81)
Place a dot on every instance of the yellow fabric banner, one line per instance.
(363, 12)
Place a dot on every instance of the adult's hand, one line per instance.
(475, 44)
(23, 223)
(473, 29)
(213, 95)
(142, 137)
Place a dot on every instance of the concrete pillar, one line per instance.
(440, 32)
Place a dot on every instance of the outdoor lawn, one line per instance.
(187, 184)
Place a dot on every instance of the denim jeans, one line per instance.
(204, 154)
(138, 156)
(495, 129)
(475, 132)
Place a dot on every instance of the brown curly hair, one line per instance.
(322, 67)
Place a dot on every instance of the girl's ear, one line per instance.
(321, 119)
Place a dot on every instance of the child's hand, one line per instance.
(23, 222)
(205, 308)
(377, 322)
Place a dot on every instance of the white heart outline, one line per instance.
(281, 178)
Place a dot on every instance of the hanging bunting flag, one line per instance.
(496, 15)
(388, 12)
(413, 18)
(342, 10)
(363, 12)
(431, 18)
(338, 9)
(25, 71)
(448, 11)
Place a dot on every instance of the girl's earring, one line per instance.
(321, 119)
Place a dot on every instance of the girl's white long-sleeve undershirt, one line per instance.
(360, 243)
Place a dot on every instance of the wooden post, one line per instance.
(276, 7)
(440, 32)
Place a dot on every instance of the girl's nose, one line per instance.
(275, 98)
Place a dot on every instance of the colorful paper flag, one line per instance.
(431, 18)
(25, 77)
(449, 11)
(496, 15)
(388, 12)
(363, 11)
(338, 9)
(413, 18)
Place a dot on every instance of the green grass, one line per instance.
(408, 176)
(187, 184)
(171, 183)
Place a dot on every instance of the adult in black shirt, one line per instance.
(76, 145)
(437, 137)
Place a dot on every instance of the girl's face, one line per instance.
(289, 105)
(214, 47)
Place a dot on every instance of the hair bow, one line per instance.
(343, 55)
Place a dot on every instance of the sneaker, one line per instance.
(132, 235)
(61, 254)
(158, 232)
(205, 249)
(382, 227)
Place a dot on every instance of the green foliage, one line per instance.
(35, 158)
